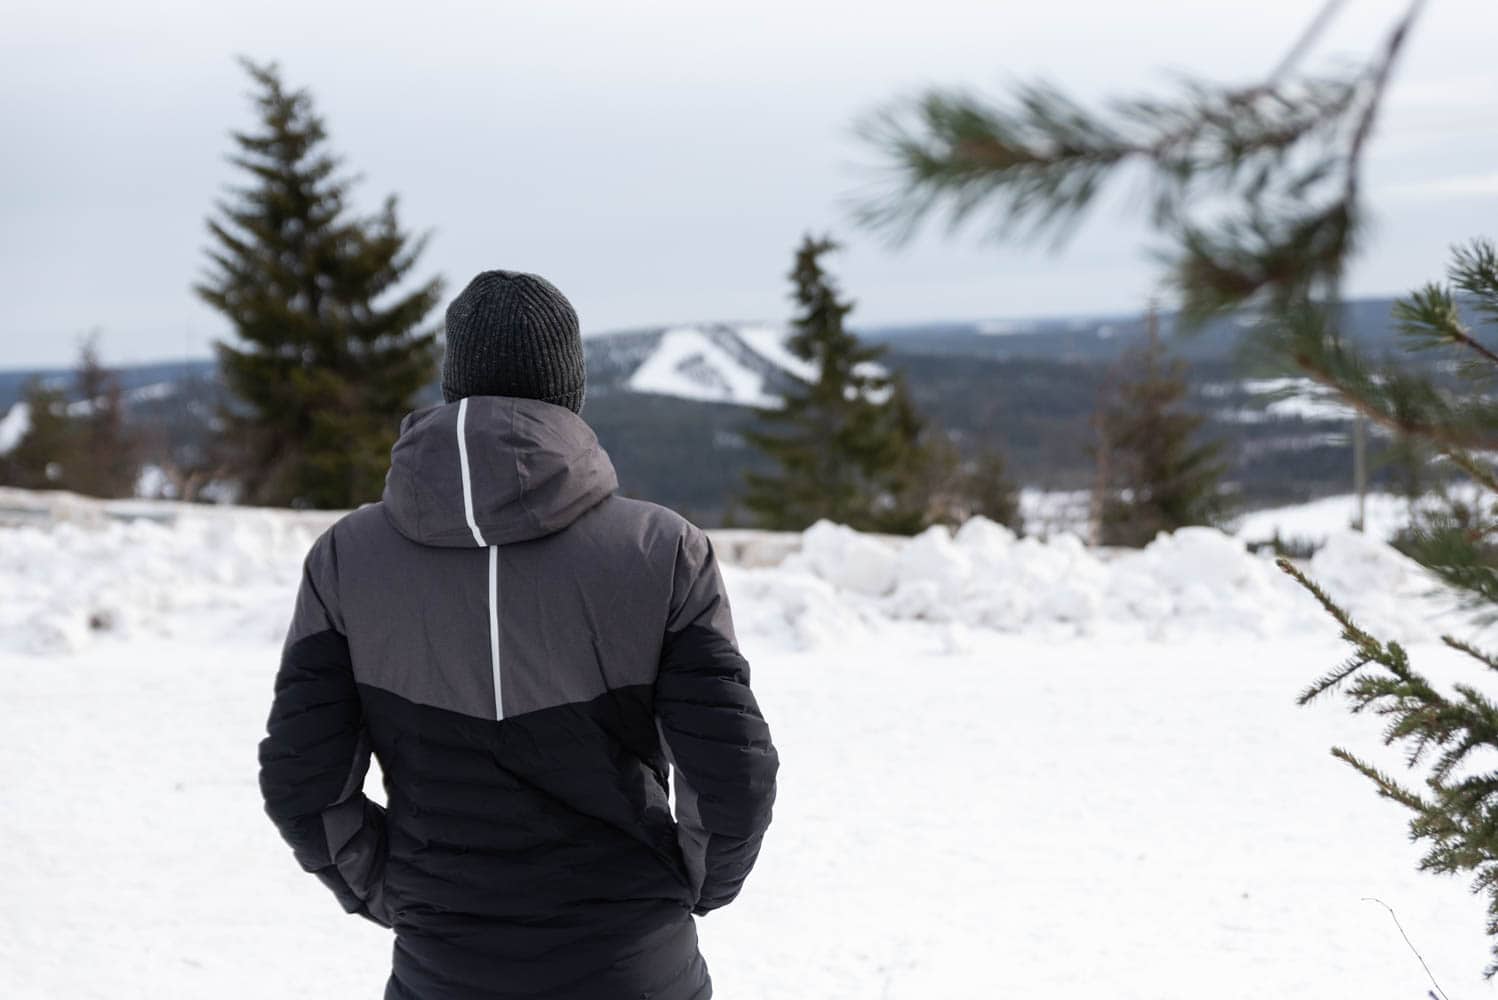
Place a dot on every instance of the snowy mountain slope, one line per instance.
(739, 364)
(712, 364)
(965, 800)
(1103, 337)
(743, 365)
(770, 343)
(14, 425)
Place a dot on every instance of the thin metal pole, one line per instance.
(1360, 468)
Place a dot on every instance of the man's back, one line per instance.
(522, 650)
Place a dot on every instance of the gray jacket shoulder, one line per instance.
(358, 525)
(680, 552)
(361, 528)
(662, 538)
(651, 523)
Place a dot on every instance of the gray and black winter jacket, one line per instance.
(524, 652)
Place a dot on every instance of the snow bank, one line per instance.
(182, 570)
(1196, 580)
(64, 584)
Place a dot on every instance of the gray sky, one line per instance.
(657, 161)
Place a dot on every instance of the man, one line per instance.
(524, 652)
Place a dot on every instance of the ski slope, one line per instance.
(999, 778)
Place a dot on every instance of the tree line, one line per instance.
(332, 345)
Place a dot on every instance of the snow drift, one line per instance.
(990, 754)
(170, 569)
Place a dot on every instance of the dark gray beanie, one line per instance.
(513, 334)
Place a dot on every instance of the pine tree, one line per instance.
(848, 445)
(106, 462)
(987, 491)
(48, 448)
(85, 446)
(331, 354)
(1155, 473)
(956, 488)
(1259, 189)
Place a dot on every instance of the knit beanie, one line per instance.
(513, 334)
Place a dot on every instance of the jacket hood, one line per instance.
(490, 470)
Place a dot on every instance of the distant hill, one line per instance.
(671, 403)
(1103, 338)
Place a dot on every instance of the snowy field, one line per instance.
(1010, 769)
(1385, 514)
(1052, 512)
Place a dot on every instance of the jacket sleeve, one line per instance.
(718, 741)
(316, 752)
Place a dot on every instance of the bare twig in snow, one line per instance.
(1437, 993)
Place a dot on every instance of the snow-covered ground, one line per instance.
(1011, 768)
(1384, 514)
(1288, 398)
(1051, 512)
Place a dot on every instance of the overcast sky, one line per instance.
(657, 161)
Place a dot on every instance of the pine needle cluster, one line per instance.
(1441, 733)
(1258, 187)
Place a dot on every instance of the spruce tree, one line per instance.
(1259, 189)
(848, 444)
(987, 491)
(330, 352)
(48, 449)
(1155, 472)
(106, 462)
(85, 446)
(956, 488)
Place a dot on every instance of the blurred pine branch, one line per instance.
(1258, 192)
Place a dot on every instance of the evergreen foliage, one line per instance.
(1445, 735)
(41, 456)
(952, 488)
(1258, 186)
(848, 446)
(331, 354)
(1259, 190)
(982, 488)
(86, 448)
(1455, 419)
(194, 464)
(106, 461)
(1155, 474)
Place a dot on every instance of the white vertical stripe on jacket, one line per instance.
(478, 536)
